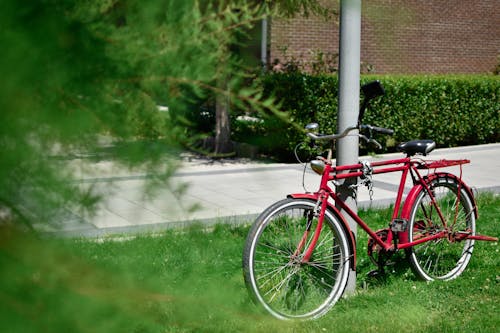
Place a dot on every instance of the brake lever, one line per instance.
(377, 144)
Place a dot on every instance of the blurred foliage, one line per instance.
(82, 76)
(290, 8)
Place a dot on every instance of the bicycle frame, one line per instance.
(395, 240)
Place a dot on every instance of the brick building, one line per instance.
(402, 36)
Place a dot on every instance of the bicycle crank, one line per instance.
(376, 253)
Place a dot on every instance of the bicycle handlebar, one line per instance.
(331, 136)
(370, 128)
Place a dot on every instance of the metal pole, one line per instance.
(349, 72)
(263, 44)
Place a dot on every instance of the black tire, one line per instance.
(273, 274)
(441, 259)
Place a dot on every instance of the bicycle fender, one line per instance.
(468, 190)
(405, 213)
(415, 191)
(336, 213)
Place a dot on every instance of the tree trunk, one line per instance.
(223, 144)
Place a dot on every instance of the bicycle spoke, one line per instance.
(277, 287)
(450, 211)
(278, 251)
(320, 281)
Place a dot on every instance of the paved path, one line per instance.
(237, 192)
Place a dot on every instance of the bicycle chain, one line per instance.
(366, 179)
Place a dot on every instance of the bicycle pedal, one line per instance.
(399, 225)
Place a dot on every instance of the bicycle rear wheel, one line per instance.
(274, 274)
(441, 259)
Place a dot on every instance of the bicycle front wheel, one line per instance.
(443, 258)
(273, 269)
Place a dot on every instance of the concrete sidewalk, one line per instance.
(238, 192)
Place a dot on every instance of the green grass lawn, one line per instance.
(191, 281)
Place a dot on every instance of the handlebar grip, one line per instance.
(383, 130)
(377, 129)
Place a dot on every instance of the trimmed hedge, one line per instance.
(451, 110)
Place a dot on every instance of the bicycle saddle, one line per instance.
(414, 147)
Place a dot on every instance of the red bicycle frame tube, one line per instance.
(405, 165)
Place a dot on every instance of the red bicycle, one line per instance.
(299, 251)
